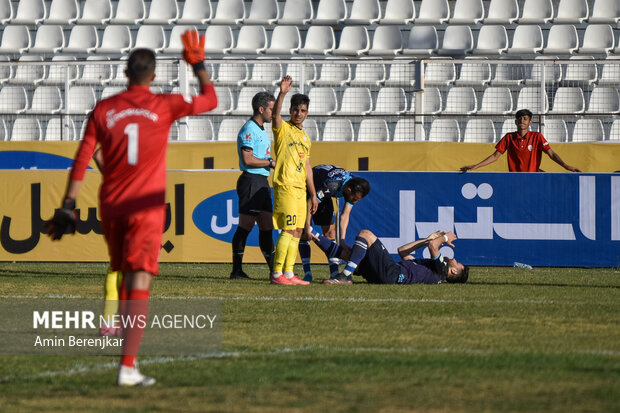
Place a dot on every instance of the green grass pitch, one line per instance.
(510, 340)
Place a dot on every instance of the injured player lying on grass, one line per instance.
(370, 259)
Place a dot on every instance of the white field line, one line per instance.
(80, 368)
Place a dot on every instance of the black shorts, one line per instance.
(378, 266)
(254, 194)
(324, 214)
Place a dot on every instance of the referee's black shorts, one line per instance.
(254, 194)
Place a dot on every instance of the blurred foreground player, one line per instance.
(369, 259)
(132, 129)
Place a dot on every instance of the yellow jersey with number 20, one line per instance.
(292, 150)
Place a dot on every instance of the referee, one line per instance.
(255, 204)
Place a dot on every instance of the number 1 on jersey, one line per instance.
(131, 130)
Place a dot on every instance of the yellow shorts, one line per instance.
(289, 207)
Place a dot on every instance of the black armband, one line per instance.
(68, 203)
(198, 67)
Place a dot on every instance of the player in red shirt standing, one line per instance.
(132, 129)
(524, 148)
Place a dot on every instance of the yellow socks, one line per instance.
(112, 281)
(282, 248)
(291, 255)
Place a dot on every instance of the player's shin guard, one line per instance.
(291, 256)
(281, 251)
(238, 247)
(265, 241)
(305, 253)
(135, 323)
(357, 254)
(333, 266)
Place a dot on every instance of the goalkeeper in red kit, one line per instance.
(132, 130)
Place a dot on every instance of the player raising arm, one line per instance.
(132, 129)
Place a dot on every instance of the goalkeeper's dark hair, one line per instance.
(523, 112)
(358, 186)
(460, 278)
(141, 65)
(300, 99)
(261, 100)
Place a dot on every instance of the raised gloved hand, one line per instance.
(193, 49)
(63, 221)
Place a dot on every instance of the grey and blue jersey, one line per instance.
(329, 181)
(254, 137)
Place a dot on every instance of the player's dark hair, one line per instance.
(359, 186)
(523, 112)
(141, 64)
(461, 278)
(261, 100)
(300, 99)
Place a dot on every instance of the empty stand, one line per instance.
(234, 74)
(439, 74)
(111, 91)
(63, 12)
(324, 101)
(401, 75)
(568, 100)
(244, 101)
(373, 130)
(166, 73)
(509, 74)
(285, 40)
(229, 129)
(444, 130)
(527, 40)
(530, 98)
(387, 41)
(26, 129)
(555, 130)
(433, 12)
(301, 72)
(605, 11)
(467, 12)
(597, 39)
(296, 12)
(588, 130)
(571, 11)
(263, 12)
(492, 40)
(218, 40)
(200, 129)
(404, 130)
(502, 12)
(399, 12)
(119, 77)
(162, 12)
(115, 40)
(82, 40)
(6, 70)
(60, 129)
(479, 130)
(30, 12)
(6, 14)
(96, 12)
(15, 39)
(334, 74)
(50, 39)
(508, 126)
(580, 71)
(175, 46)
(29, 74)
(546, 65)
(266, 74)
(536, 12)
(338, 129)
(355, 101)
(614, 131)
(457, 40)
(369, 74)
(364, 12)
(610, 72)
(251, 40)
(354, 41)
(196, 12)
(46, 100)
(151, 37)
(461, 100)
(474, 74)
(224, 101)
(81, 100)
(422, 41)
(13, 99)
(562, 40)
(229, 12)
(330, 13)
(319, 40)
(129, 12)
(496, 100)
(312, 129)
(604, 100)
(391, 101)
(432, 101)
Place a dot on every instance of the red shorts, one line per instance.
(134, 240)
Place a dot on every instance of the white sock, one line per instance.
(276, 274)
(289, 274)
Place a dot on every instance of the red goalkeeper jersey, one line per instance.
(132, 129)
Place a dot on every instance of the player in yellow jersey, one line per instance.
(292, 176)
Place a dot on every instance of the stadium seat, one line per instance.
(405, 130)
(461, 100)
(218, 40)
(29, 74)
(502, 12)
(399, 12)
(330, 13)
(588, 130)
(562, 40)
(175, 46)
(610, 72)
(338, 130)
(6, 70)
(229, 12)
(13, 99)
(605, 11)
(296, 12)
(614, 131)
(312, 129)
(444, 130)
(433, 12)
(387, 41)
(81, 99)
(432, 101)
(82, 40)
(252, 40)
(576, 73)
(364, 12)
(96, 12)
(151, 37)
(196, 12)
(265, 74)
(568, 100)
(263, 12)
(354, 41)
(166, 73)
(508, 126)
(401, 74)
(492, 40)
(324, 101)
(6, 14)
(355, 101)
(571, 11)
(555, 130)
(129, 12)
(234, 74)
(536, 12)
(15, 40)
(63, 12)
(479, 130)
(457, 40)
(199, 128)
(597, 39)
(30, 12)
(530, 98)
(467, 12)
(604, 100)
(302, 70)
(285, 40)
(552, 71)
(527, 40)
(224, 101)
(162, 12)
(111, 91)
(368, 74)
(423, 41)
(391, 101)
(49, 40)
(319, 40)
(474, 74)
(496, 100)
(46, 100)
(229, 129)
(115, 40)
(26, 129)
(373, 130)
(118, 74)
(334, 74)
(244, 101)
(60, 129)
(439, 74)
(509, 74)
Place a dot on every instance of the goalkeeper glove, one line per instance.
(194, 49)
(63, 221)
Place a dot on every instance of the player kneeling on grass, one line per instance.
(369, 259)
